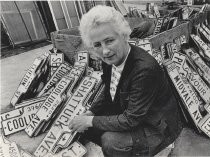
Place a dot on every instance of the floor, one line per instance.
(189, 143)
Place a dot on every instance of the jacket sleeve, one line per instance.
(142, 94)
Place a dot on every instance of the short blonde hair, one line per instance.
(99, 15)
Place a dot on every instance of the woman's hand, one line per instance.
(81, 123)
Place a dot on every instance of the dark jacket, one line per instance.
(143, 104)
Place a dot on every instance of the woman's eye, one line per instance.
(109, 41)
(97, 45)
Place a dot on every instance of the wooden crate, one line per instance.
(68, 41)
(170, 35)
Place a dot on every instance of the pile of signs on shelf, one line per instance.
(188, 66)
(167, 21)
(51, 93)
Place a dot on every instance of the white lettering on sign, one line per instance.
(49, 106)
(200, 86)
(56, 59)
(73, 107)
(158, 26)
(204, 124)
(63, 69)
(184, 93)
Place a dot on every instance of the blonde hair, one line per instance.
(99, 15)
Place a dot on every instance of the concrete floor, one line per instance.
(13, 68)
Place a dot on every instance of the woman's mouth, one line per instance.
(109, 57)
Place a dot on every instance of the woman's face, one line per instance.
(108, 45)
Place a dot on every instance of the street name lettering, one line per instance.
(184, 93)
(48, 107)
(18, 123)
(63, 69)
(158, 26)
(56, 59)
(200, 86)
(60, 131)
(200, 63)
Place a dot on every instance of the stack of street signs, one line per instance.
(10, 149)
(76, 149)
(185, 91)
(190, 76)
(202, 45)
(17, 119)
(146, 45)
(60, 135)
(62, 70)
(195, 80)
(199, 64)
(204, 32)
(29, 85)
(55, 101)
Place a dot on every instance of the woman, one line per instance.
(138, 114)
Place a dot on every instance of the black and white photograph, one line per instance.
(105, 78)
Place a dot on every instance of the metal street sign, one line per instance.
(200, 63)
(82, 56)
(205, 34)
(204, 124)
(34, 75)
(195, 79)
(63, 69)
(56, 59)
(76, 149)
(184, 92)
(18, 123)
(202, 45)
(60, 136)
(158, 26)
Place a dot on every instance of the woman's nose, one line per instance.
(105, 50)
